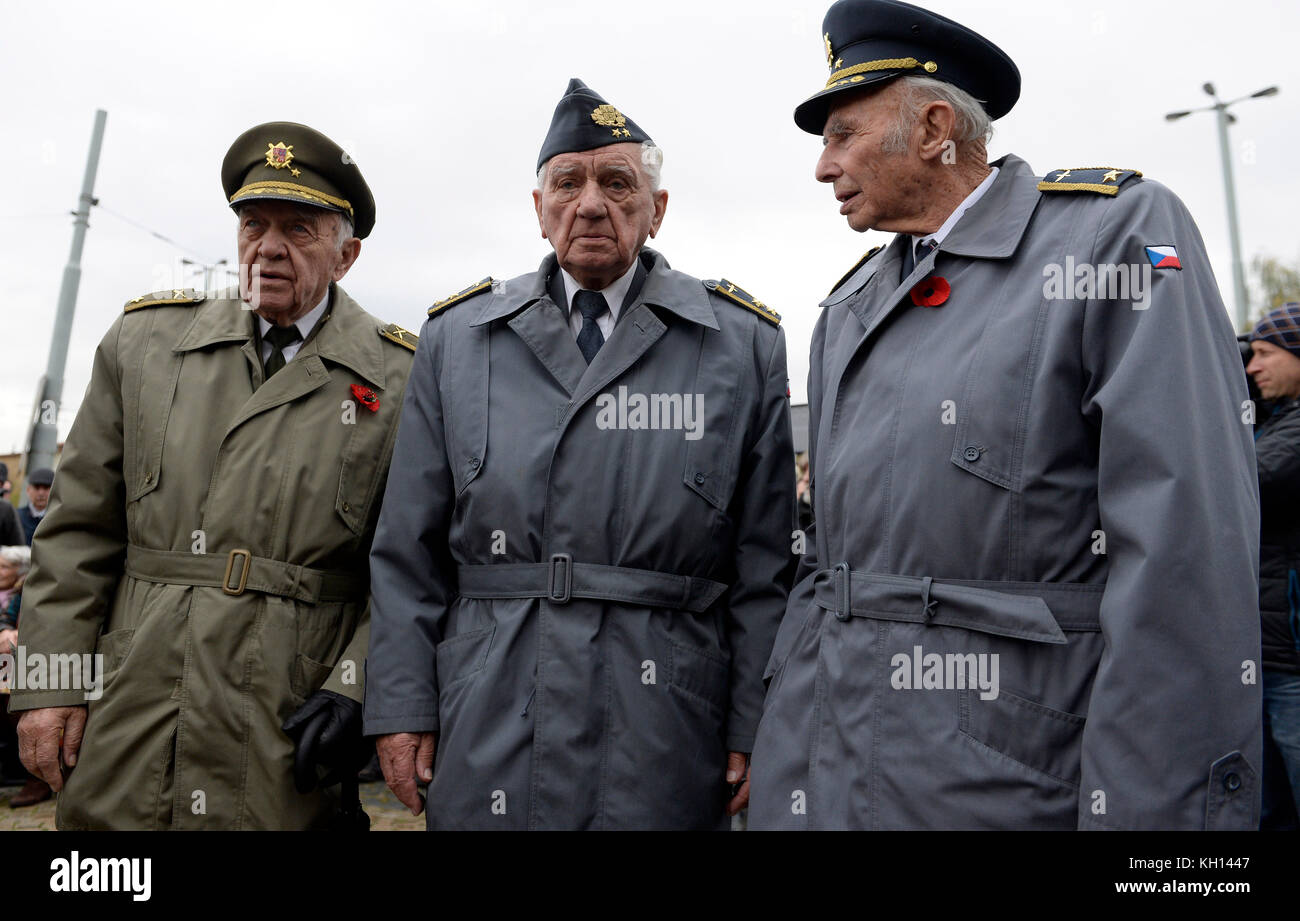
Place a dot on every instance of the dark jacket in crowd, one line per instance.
(29, 523)
(1277, 451)
(11, 530)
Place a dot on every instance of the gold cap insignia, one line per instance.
(830, 55)
(278, 155)
(610, 117)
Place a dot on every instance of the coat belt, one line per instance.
(239, 571)
(1036, 611)
(562, 579)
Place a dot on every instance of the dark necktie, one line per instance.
(279, 337)
(591, 304)
(911, 258)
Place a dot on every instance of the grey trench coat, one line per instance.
(1058, 488)
(582, 610)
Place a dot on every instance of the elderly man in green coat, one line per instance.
(209, 531)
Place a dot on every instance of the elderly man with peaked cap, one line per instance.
(209, 531)
(585, 548)
(1029, 598)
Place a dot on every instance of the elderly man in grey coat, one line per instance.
(1028, 601)
(584, 551)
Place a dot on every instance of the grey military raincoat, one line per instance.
(1029, 598)
(182, 471)
(579, 604)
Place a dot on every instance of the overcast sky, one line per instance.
(443, 106)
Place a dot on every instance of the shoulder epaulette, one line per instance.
(742, 297)
(463, 295)
(394, 333)
(1103, 180)
(859, 264)
(163, 298)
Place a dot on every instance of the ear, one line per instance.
(348, 254)
(660, 199)
(537, 203)
(935, 127)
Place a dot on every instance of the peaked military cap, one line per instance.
(869, 42)
(584, 121)
(291, 162)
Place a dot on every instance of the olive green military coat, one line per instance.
(183, 465)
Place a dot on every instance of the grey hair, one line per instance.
(18, 557)
(652, 161)
(345, 230)
(973, 123)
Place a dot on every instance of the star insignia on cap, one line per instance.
(609, 117)
(295, 172)
(279, 155)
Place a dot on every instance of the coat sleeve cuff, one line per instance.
(740, 742)
(383, 726)
(35, 700)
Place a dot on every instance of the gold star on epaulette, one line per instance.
(164, 298)
(742, 297)
(465, 294)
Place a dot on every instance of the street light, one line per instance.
(208, 270)
(1226, 118)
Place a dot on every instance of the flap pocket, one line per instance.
(113, 646)
(463, 655)
(464, 389)
(308, 676)
(1048, 741)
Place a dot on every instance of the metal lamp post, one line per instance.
(1226, 118)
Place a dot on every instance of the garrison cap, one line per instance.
(584, 121)
(291, 162)
(869, 42)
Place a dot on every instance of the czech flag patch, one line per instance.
(1164, 257)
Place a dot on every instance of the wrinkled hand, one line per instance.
(405, 758)
(738, 773)
(46, 733)
(326, 731)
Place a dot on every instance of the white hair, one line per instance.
(345, 230)
(973, 123)
(652, 161)
(18, 557)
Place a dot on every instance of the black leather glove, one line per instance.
(326, 732)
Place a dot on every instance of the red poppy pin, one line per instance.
(931, 292)
(367, 397)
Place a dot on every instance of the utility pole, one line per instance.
(44, 438)
(1241, 309)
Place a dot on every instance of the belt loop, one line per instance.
(297, 582)
(566, 586)
(843, 598)
(243, 573)
(927, 605)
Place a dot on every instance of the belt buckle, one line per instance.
(566, 587)
(243, 573)
(843, 599)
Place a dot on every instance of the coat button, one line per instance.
(1232, 781)
(148, 478)
(699, 479)
(971, 453)
(346, 507)
(474, 462)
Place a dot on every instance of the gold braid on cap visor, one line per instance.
(885, 64)
(298, 192)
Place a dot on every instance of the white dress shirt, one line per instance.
(614, 295)
(306, 323)
(953, 218)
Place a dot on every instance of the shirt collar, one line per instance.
(967, 203)
(306, 323)
(614, 293)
